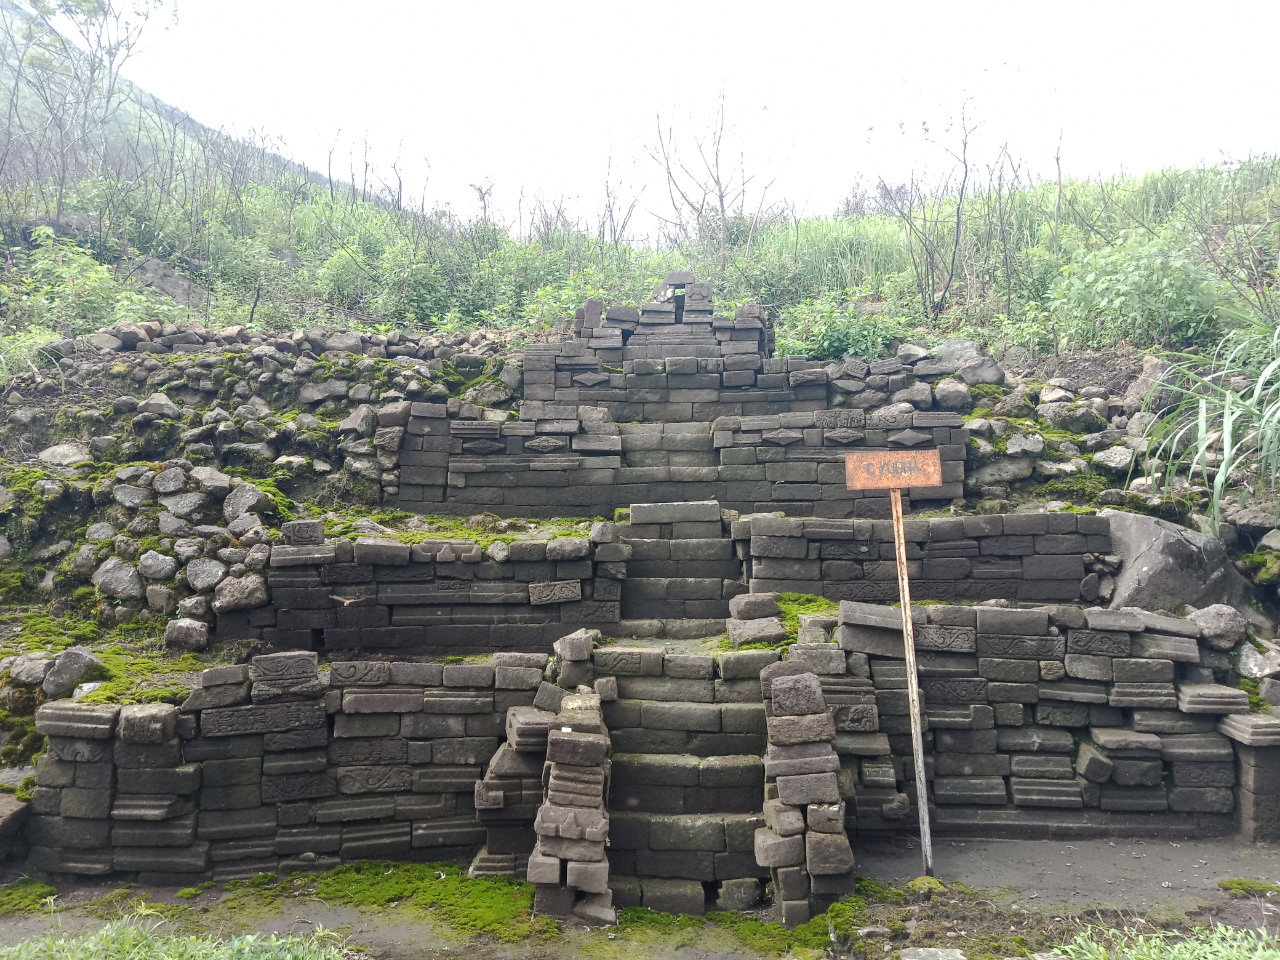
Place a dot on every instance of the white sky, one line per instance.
(536, 97)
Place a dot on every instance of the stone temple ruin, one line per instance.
(612, 772)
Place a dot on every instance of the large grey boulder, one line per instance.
(65, 454)
(315, 392)
(981, 370)
(186, 634)
(157, 566)
(952, 394)
(346, 342)
(1072, 417)
(131, 497)
(117, 578)
(1004, 470)
(30, 669)
(1166, 566)
(212, 480)
(363, 420)
(246, 498)
(957, 350)
(161, 406)
(68, 670)
(240, 593)
(1118, 459)
(918, 395)
(1141, 390)
(205, 573)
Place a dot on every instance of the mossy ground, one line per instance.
(1239, 887)
(418, 910)
(26, 896)
(499, 908)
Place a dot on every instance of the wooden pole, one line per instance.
(913, 684)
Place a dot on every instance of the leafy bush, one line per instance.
(1144, 288)
(830, 327)
(58, 282)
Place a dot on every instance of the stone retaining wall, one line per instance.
(1047, 722)
(1029, 557)
(756, 434)
(672, 562)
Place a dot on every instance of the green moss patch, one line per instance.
(25, 896)
(772, 939)
(1239, 887)
(794, 604)
(499, 907)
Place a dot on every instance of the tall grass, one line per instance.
(130, 940)
(1222, 424)
(1216, 943)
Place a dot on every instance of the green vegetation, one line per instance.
(926, 886)
(794, 604)
(773, 939)
(129, 939)
(500, 907)
(483, 529)
(1239, 887)
(1217, 943)
(1225, 420)
(26, 896)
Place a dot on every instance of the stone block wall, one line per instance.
(1026, 557)
(751, 432)
(437, 597)
(1039, 722)
(671, 562)
(272, 767)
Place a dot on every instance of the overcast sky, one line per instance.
(536, 98)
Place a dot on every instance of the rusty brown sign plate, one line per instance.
(886, 469)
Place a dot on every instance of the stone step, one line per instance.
(1061, 824)
(671, 783)
(704, 847)
(647, 722)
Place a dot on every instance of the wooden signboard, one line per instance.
(887, 469)
(893, 470)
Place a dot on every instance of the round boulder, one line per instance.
(68, 670)
(240, 593)
(157, 566)
(65, 454)
(1222, 627)
(186, 634)
(117, 578)
(205, 573)
(952, 394)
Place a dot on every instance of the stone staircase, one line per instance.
(687, 785)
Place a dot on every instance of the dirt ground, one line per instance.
(1044, 889)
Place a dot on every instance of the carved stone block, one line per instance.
(940, 637)
(359, 673)
(375, 779)
(272, 718)
(302, 786)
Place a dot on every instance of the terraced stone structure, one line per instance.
(699, 409)
(609, 774)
